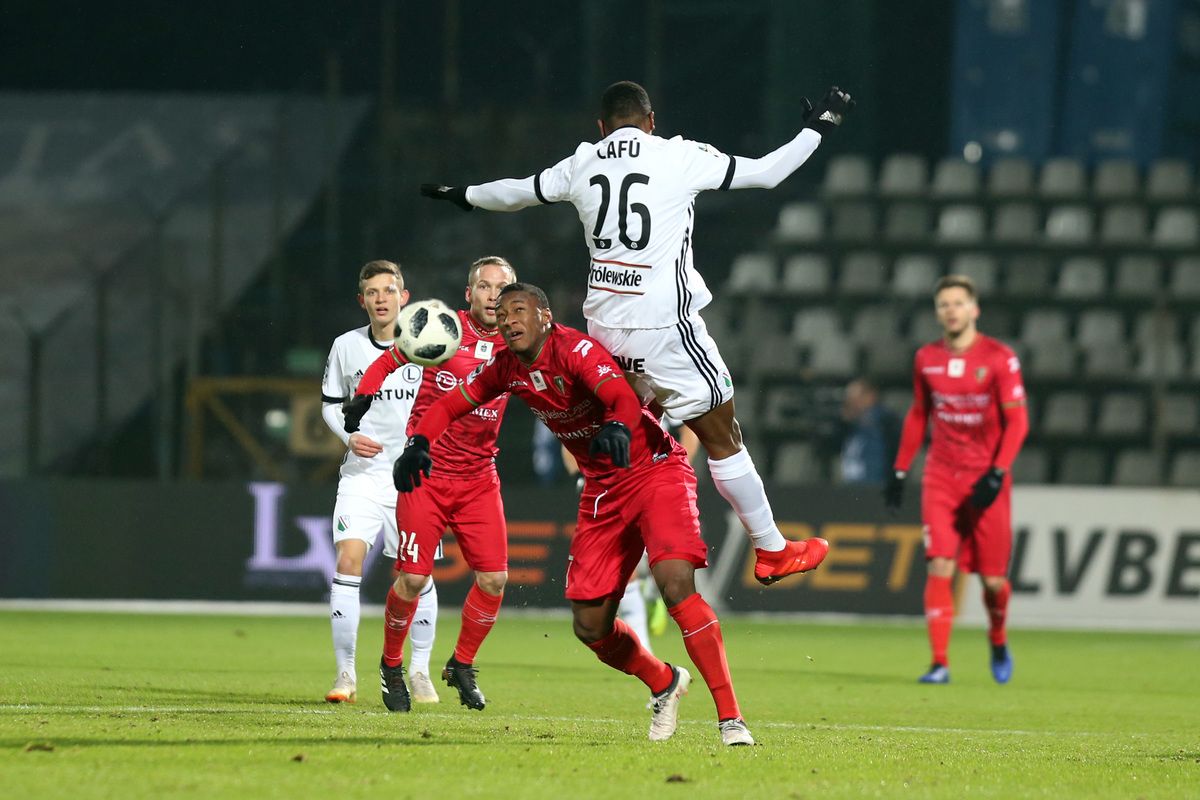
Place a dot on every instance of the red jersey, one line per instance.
(560, 389)
(470, 439)
(964, 394)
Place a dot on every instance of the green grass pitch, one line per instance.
(152, 706)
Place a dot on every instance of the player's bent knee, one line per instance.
(409, 585)
(491, 582)
(590, 631)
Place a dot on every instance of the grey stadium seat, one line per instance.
(1082, 466)
(1027, 276)
(906, 222)
(752, 273)
(1055, 361)
(1115, 179)
(889, 358)
(797, 462)
(1123, 224)
(807, 274)
(1069, 225)
(801, 222)
(1066, 414)
(1010, 177)
(832, 358)
(1121, 414)
(1185, 469)
(923, 327)
(903, 175)
(816, 324)
(863, 272)
(1168, 360)
(1177, 227)
(954, 178)
(1082, 278)
(854, 221)
(1045, 326)
(1015, 223)
(1138, 276)
(1185, 278)
(1110, 361)
(1179, 414)
(1062, 179)
(1032, 465)
(875, 323)
(914, 275)
(961, 224)
(1137, 468)
(980, 268)
(848, 175)
(1100, 327)
(1169, 179)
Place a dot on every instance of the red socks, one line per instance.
(939, 616)
(997, 608)
(397, 617)
(478, 616)
(702, 638)
(623, 651)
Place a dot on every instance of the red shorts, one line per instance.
(981, 540)
(473, 511)
(651, 509)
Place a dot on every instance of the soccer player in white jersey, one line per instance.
(635, 194)
(366, 498)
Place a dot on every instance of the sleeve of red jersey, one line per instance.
(1010, 389)
(599, 371)
(912, 436)
(473, 392)
(372, 380)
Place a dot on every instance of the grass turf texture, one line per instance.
(132, 706)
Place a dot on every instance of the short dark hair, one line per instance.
(528, 288)
(623, 103)
(379, 267)
(955, 282)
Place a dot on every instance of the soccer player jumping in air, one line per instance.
(635, 193)
(970, 384)
(640, 494)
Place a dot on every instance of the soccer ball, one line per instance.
(428, 332)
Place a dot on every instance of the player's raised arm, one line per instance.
(369, 384)
(770, 170)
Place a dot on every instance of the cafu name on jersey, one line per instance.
(620, 148)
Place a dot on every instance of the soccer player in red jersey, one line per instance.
(970, 385)
(464, 495)
(639, 494)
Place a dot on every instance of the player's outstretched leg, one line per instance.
(344, 612)
(794, 558)
(398, 615)
(478, 616)
(423, 632)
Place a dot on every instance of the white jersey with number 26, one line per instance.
(635, 194)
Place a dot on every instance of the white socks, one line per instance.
(423, 629)
(739, 484)
(344, 612)
(632, 611)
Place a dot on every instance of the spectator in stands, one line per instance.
(870, 434)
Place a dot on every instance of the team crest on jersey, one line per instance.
(980, 374)
(538, 381)
(559, 384)
(343, 523)
(410, 373)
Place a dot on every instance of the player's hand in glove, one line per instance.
(984, 492)
(893, 490)
(412, 464)
(828, 113)
(455, 194)
(613, 440)
(355, 409)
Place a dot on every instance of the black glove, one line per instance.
(412, 463)
(893, 490)
(455, 194)
(613, 439)
(830, 110)
(984, 492)
(355, 409)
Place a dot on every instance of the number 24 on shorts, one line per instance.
(409, 549)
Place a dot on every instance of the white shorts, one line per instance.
(357, 516)
(679, 366)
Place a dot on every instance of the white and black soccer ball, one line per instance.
(428, 332)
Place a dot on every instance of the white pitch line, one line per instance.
(799, 726)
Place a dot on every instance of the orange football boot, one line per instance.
(793, 558)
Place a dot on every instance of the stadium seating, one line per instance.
(1090, 273)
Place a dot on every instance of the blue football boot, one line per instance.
(1002, 663)
(938, 673)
